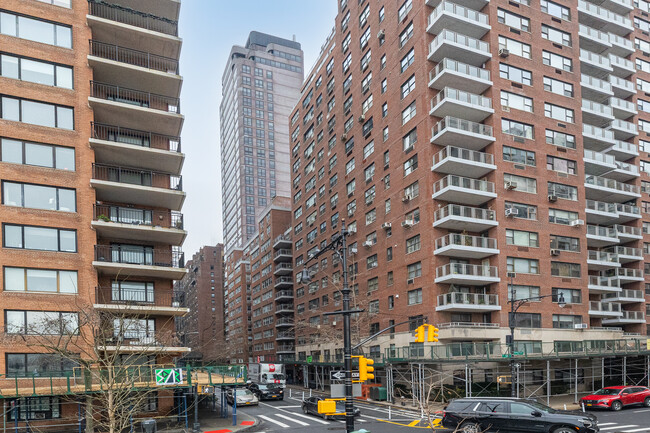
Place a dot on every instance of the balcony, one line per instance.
(621, 46)
(461, 104)
(594, 64)
(284, 295)
(469, 302)
(283, 282)
(472, 4)
(285, 348)
(284, 308)
(610, 190)
(461, 132)
(464, 218)
(622, 150)
(282, 241)
(283, 269)
(284, 322)
(604, 19)
(628, 317)
(120, 260)
(625, 297)
(125, 26)
(597, 163)
(457, 189)
(127, 67)
(134, 301)
(622, 88)
(623, 130)
(601, 260)
(624, 172)
(133, 108)
(595, 89)
(599, 236)
(604, 309)
(597, 114)
(469, 331)
(593, 40)
(466, 246)
(138, 224)
(115, 145)
(623, 68)
(464, 274)
(597, 139)
(458, 160)
(459, 47)
(628, 233)
(626, 254)
(166, 9)
(456, 74)
(599, 284)
(284, 336)
(282, 255)
(140, 187)
(139, 341)
(449, 15)
(625, 275)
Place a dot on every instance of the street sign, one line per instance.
(337, 390)
(169, 376)
(309, 359)
(340, 375)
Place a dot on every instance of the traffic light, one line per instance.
(419, 334)
(365, 369)
(430, 331)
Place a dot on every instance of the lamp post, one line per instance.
(515, 304)
(339, 246)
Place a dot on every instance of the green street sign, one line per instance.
(309, 359)
(519, 353)
(169, 376)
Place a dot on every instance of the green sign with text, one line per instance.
(169, 376)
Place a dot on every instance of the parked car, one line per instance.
(616, 397)
(310, 406)
(473, 415)
(244, 397)
(266, 391)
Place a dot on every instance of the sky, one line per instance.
(209, 28)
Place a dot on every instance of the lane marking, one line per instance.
(291, 419)
(310, 417)
(642, 410)
(636, 430)
(600, 424)
(288, 406)
(414, 422)
(264, 417)
(618, 427)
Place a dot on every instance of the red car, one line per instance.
(615, 397)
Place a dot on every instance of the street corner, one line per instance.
(242, 426)
(417, 423)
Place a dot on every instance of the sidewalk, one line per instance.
(212, 423)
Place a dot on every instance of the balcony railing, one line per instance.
(122, 296)
(620, 62)
(604, 14)
(600, 206)
(622, 82)
(627, 208)
(138, 216)
(630, 294)
(606, 232)
(279, 280)
(624, 146)
(283, 294)
(633, 315)
(599, 156)
(459, 10)
(602, 256)
(134, 137)
(464, 154)
(131, 17)
(144, 256)
(624, 125)
(611, 184)
(465, 212)
(467, 299)
(625, 251)
(466, 241)
(602, 109)
(595, 58)
(463, 125)
(613, 282)
(463, 182)
(459, 38)
(623, 273)
(465, 269)
(284, 307)
(135, 97)
(285, 348)
(628, 230)
(284, 335)
(595, 82)
(598, 132)
(607, 307)
(450, 325)
(461, 96)
(624, 166)
(461, 68)
(134, 176)
(284, 321)
(133, 57)
(282, 252)
(603, 37)
(284, 266)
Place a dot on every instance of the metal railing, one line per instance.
(615, 60)
(468, 270)
(611, 184)
(604, 14)
(135, 97)
(450, 93)
(285, 348)
(461, 68)
(622, 83)
(601, 109)
(282, 252)
(624, 125)
(464, 212)
(138, 216)
(456, 9)
(599, 156)
(282, 280)
(626, 293)
(284, 307)
(625, 251)
(468, 299)
(463, 182)
(123, 296)
(283, 294)
(284, 266)
(134, 176)
(623, 273)
(597, 132)
(594, 58)
(460, 39)
(602, 256)
(134, 137)
(606, 232)
(601, 36)
(464, 154)
(613, 282)
(284, 321)
(144, 256)
(595, 82)
(287, 334)
(466, 241)
(633, 315)
(463, 125)
(450, 325)
(133, 57)
(605, 307)
(282, 238)
(132, 17)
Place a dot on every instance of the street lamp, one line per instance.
(339, 246)
(515, 304)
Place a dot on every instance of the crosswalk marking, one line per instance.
(600, 424)
(618, 427)
(273, 421)
(291, 419)
(311, 418)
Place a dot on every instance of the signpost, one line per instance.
(340, 375)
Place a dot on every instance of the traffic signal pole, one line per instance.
(347, 340)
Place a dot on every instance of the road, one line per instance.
(281, 416)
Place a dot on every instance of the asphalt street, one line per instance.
(281, 416)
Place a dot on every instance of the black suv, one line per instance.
(266, 392)
(473, 415)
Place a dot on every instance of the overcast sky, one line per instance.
(209, 29)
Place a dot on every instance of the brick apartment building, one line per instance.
(90, 169)
(259, 290)
(470, 146)
(201, 291)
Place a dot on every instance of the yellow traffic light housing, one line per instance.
(365, 369)
(430, 331)
(419, 334)
(326, 406)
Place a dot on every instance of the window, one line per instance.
(404, 10)
(517, 129)
(413, 190)
(512, 20)
(373, 284)
(555, 10)
(411, 165)
(515, 74)
(42, 155)
(413, 244)
(555, 35)
(39, 280)
(373, 308)
(528, 320)
(414, 270)
(515, 101)
(371, 216)
(35, 71)
(409, 140)
(409, 113)
(520, 183)
(38, 196)
(557, 61)
(389, 254)
(408, 86)
(37, 30)
(560, 139)
(558, 87)
(523, 292)
(365, 37)
(560, 164)
(407, 60)
(515, 47)
(363, 17)
(368, 149)
(27, 364)
(566, 192)
(406, 34)
(371, 262)
(519, 156)
(36, 113)
(366, 105)
(559, 216)
(414, 216)
(41, 322)
(522, 266)
(365, 60)
(643, 85)
(565, 270)
(522, 238)
(415, 297)
(39, 238)
(349, 166)
(381, 14)
(566, 321)
(558, 113)
(565, 243)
